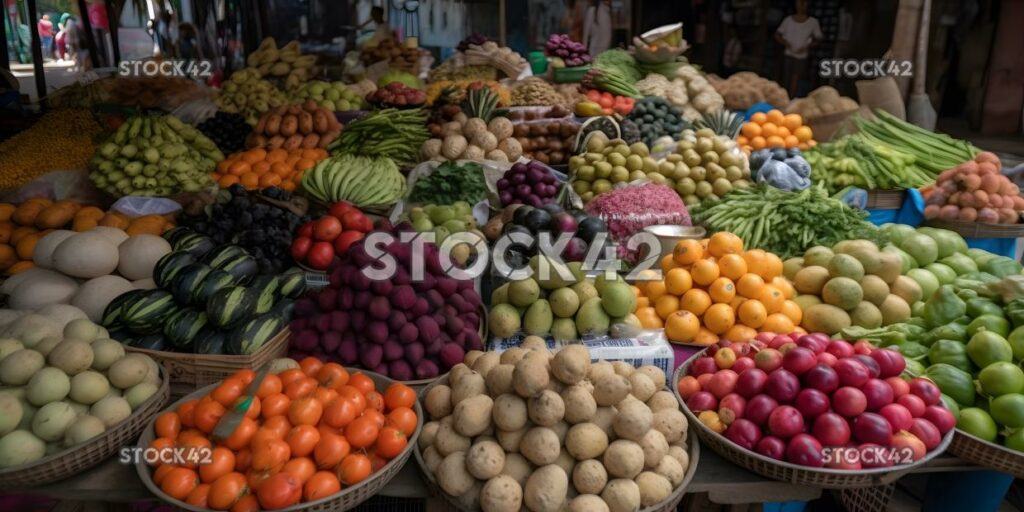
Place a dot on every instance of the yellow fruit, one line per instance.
(678, 281)
(722, 290)
(695, 301)
(740, 332)
(732, 266)
(752, 313)
(666, 305)
(803, 133)
(750, 286)
(687, 252)
(719, 318)
(704, 272)
(778, 323)
(723, 243)
(649, 318)
(682, 326)
(655, 289)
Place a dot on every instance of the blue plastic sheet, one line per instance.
(757, 107)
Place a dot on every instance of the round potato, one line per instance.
(654, 488)
(546, 408)
(431, 458)
(655, 448)
(598, 369)
(681, 456)
(472, 416)
(517, 467)
(546, 489)
(448, 441)
(427, 434)
(588, 503)
(485, 363)
(470, 385)
(641, 386)
(512, 355)
(580, 405)
(501, 494)
(621, 495)
(669, 468)
(499, 379)
(671, 423)
(610, 389)
(510, 412)
(534, 343)
(657, 375)
(530, 377)
(633, 420)
(662, 400)
(456, 373)
(485, 460)
(623, 368)
(589, 477)
(453, 476)
(471, 357)
(624, 459)
(571, 364)
(604, 417)
(439, 401)
(566, 462)
(586, 441)
(541, 446)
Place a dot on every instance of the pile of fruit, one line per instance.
(597, 103)
(528, 183)
(816, 402)
(259, 222)
(560, 300)
(656, 118)
(706, 166)
(611, 439)
(549, 142)
(318, 241)
(305, 126)
(502, 58)
(551, 219)
(714, 289)
(398, 57)
(334, 96)
(261, 168)
(608, 162)
(775, 130)
(67, 135)
(446, 92)
(975, 191)
(154, 156)
(391, 326)
(305, 437)
(686, 89)
(481, 136)
(359, 180)
(397, 94)
(285, 62)
(65, 383)
(206, 301)
(228, 131)
(535, 91)
(89, 217)
(566, 52)
(443, 221)
(247, 94)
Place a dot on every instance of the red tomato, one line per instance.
(339, 210)
(355, 220)
(306, 230)
(326, 228)
(300, 247)
(320, 255)
(279, 491)
(345, 240)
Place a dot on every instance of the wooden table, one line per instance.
(724, 482)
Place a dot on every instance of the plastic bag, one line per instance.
(645, 347)
(629, 209)
(138, 206)
(71, 185)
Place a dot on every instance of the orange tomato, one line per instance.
(222, 462)
(332, 376)
(275, 404)
(228, 391)
(279, 491)
(330, 450)
(300, 388)
(254, 409)
(159, 445)
(271, 455)
(310, 366)
(207, 414)
(404, 419)
(378, 417)
(242, 435)
(271, 385)
(193, 449)
(246, 375)
(321, 485)
(227, 490)
(325, 395)
(300, 467)
(340, 412)
(361, 382)
(161, 472)
(375, 400)
(353, 395)
(290, 375)
(179, 482)
(186, 413)
(247, 503)
(354, 469)
(390, 442)
(168, 425)
(305, 411)
(199, 496)
(302, 439)
(243, 459)
(399, 395)
(362, 432)
(279, 425)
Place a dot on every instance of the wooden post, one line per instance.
(114, 21)
(90, 41)
(37, 53)
(5, 61)
(502, 20)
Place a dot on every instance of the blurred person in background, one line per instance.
(188, 42)
(100, 26)
(45, 27)
(798, 33)
(597, 26)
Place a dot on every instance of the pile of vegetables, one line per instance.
(861, 160)
(285, 63)
(502, 58)
(318, 241)
(549, 142)
(454, 91)
(620, 63)
(686, 89)
(481, 136)
(259, 168)
(822, 101)
(305, 126)
(65, 383)
(535, 91)
(322, 448)
(154, 156)
(656, 118)
(247, 219)
(609, 81)
(611, 439)
(391, 326)
(933, 152)
(399, 57)
(206, 300)
(228, 131)
(975, 191)
(333, 96)
(364, 181)
(449, 183)
(745, 89)
(784, 223)
(566, 52)
(67, 136)
(706, 166)
(597, 103)
(397, 94)
(528, 183)
(392, 133)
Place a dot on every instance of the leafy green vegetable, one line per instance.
(618, 62)
(451, 182)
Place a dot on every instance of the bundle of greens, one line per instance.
(393, 133)
(619, 62)
(934, 152)
(785, 223)
(860, 160)
(450, 182)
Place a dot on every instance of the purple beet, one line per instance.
(371, 355)
(400, 370)
(408, 333)
(377, 331)
(348, 350)
(382, 287)
(330, 341)
(358, 320)
(346, 298)
(451, 355)
(306, 306)
(403, 297)
(397, 320)
(504, 183)
(429, 329)
(339, 321)
(305, 340)
(575, 250)
(426, 369)
(421, 307)
(392, 350)
(379, 308)
(446, 286)
(322, 322)
(414, 353)
(435, 299)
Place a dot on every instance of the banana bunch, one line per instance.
(362, 181)
(248, 94)
(284, 62)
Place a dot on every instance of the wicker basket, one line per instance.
(190, 372)
(978, 229)
(987, 454)
(867, 499)
(347, 499)
(452, 504)
(793, 473)
(885, 199)
(84, 456)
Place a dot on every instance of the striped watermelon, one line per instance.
(195, 244)
(223, 254)
(265, 291)
(293, 283)
(148, 314)
(248, 338)
(187, 282)
(113, 314)
(210, 341)
(184, 326)
(215, 281)
(230, 306)
(168, 266)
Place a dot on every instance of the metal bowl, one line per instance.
(669, 234)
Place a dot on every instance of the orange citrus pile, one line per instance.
(775, 130)
(712, 289)
(259, 168)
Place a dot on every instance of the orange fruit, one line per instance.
(775, 142)
(732, 266)
(782, 132)
(723, 243)
(649, 318)
(773, 266)
(792, 121)
(687, 252)
(645, 277)
(261, 168)
(642, 302)
(269, 180)
(722, 290)
(784, 286)
(705, 337)
(666, 305)
(742, 140)
(769, 129)
(704, 272)
(772, 299)
(778, 323)
(751, 130)
(757, 263)
(752, 313)
(719, 318)
(254, 155)
(276, 155)
(636, 290)
(678, 281)
(682, 326)
(799, 330)
(736, 302)
(250, 181)
(791, 141)
(695, 301)
(740, 332)
(775, 116)
(792, 311)
(750, 286)
(281, 169)
(667, 263)
(238, 168)
(759, 118)
(803, 133)
(227, 180)
(758, 142)
(655, 289)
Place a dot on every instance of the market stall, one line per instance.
(616, 285)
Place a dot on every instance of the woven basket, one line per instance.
(794, 473)
(987, 454)
(84, 456)
(885, 199)
(978, 229)
(867, 499)
(452, 504)
(826, 126)
(347, 499)
(190, 372)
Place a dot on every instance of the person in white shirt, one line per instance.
(597, 27)
(798, 33)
